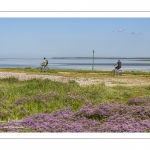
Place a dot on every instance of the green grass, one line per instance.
(47, 96)
(74, 73)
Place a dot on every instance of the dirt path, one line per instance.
(108, 81)
(114, 81)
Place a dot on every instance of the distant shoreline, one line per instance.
(132, 58)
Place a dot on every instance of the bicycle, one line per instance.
(117, 72)
(44, 69)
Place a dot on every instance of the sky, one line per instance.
(74, 37)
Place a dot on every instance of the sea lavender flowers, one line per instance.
(133, 116)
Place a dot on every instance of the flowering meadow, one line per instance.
(49, 106)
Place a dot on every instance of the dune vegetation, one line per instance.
(37, 105)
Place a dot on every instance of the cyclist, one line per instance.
(118, 65)
(44, 63)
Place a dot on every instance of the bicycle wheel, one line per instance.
(113, 72)
(39, 69)
(46, 69)
(120, 72)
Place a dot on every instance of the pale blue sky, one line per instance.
(74, 37)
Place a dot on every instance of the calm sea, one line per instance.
(77, 63)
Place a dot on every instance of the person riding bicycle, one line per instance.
(118, 65)
(44, 63)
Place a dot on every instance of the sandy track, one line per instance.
(81, 81)
(24, 76)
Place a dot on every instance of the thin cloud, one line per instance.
(120, 30)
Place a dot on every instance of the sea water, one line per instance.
(77, 63)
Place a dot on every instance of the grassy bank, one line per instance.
(23, 98)
(73, 72)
